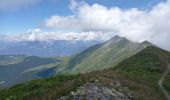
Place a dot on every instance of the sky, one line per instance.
(17, 16)
(137, 20)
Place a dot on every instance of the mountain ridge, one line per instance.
(105, 54)
(137, 76)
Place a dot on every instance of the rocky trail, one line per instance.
(160, 82)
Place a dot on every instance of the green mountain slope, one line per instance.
(105, 55)
(137, 75)
(18, 69)
(143, 71)
(7, 60)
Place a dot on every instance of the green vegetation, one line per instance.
(81, 56)
(8, 60)
(40, 87)
(143, 71)
(167, 79)
(105, 55)
(14, 68)
(167, 83)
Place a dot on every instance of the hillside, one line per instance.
(143, 72)
(105, 55)
(135, 78)
(18, 69)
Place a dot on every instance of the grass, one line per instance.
(38, 87)
(104, 56)
(166, 83)
(142, 73)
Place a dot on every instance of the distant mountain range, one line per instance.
(49, 48)
(49, 44)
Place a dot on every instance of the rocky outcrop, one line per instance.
(95, 90)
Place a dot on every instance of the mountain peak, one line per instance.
(147, 43)
(114, 40)
(117, 38)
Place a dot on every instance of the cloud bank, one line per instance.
(37, 34)
(16, 4)
(135, 24)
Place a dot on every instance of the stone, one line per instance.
(95, 90)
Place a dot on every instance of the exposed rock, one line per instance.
(94, 90)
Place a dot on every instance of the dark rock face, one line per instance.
(97, 91)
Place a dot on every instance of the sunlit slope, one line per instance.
(143, 71)
(105, 55)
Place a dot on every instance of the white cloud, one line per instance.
(135, 24)
(15, 4)
(37, 34)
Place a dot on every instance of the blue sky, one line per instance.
(17, 19)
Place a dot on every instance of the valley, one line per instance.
(18, 69)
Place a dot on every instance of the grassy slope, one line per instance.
(167, 83)
(143, 71)
(38, 88)
(167, 80)
(105, 55)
